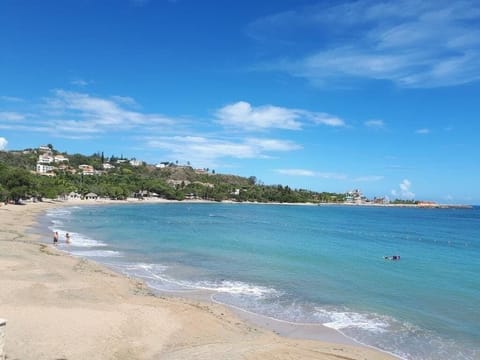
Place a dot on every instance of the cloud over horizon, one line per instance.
(405, 192)
(3, 143)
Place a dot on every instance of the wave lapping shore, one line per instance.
(63, 307)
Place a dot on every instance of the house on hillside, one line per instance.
(45, 169)
(135, 162)
(87, 169)
(46, 158)
(44, 149)
(60, 158)
(107, 166)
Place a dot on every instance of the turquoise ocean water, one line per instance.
(305, 264)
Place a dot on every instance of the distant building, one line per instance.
(380, 200)
(44, 148)
(107, 166)
(91, 196)
(355, 197)
(46, 158)
(60, 158)
(87, 169)
(74, 196)
(236, 192)
(44, 169)
(135, 162)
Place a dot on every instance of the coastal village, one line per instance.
(48, 163)
(195, 183)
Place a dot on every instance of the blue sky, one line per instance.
(326, 95)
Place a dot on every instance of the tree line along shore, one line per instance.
(118, 179)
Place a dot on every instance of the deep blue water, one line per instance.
(306, 264)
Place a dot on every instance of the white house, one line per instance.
(236, 192)
(74, 196)
(107, 166)
(60, 158)
(135, 162)
(44, 148)
(46, 158)
(87, 169)
(44, 169)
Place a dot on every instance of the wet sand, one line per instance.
(61, 307)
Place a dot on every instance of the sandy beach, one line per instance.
(61, 307)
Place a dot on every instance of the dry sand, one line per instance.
(61, 307)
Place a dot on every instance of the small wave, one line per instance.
(56, 224)
(144, 270)
(80, 240)
(235, 288)
(155, 274)
(340, 320)
(97, 253)
(58, 212)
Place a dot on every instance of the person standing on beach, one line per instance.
(67, 238)
(55, 238)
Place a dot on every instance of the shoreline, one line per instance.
(154, 200)
(58, 306)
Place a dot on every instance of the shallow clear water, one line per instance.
(306, 264)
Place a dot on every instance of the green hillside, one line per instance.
(19, 180)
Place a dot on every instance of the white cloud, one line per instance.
(11, 99)
(241, 114)
(80, 82)
(375, 124)
(3, 143)
(205, 151)
(327, 175)
(11, 116)
(127, 100)
(74, 112)
(272, 144)
(310, 173)
(405, 192)
(75, 115)
(369, 178)
(325, 119)
(412, 43)
(295, 172)
(423, 131)
(244, 116)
